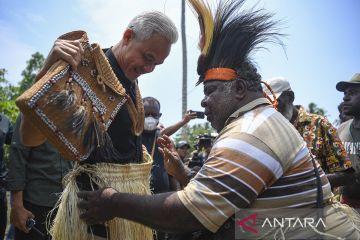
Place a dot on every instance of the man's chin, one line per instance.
(132, 77)
(348, 113)
(213, 125)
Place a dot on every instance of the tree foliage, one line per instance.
(194, 131)
(313, 108)
(29, 73)
(9, 92)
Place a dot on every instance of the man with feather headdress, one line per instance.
(257, 161)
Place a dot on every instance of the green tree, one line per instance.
(313, 108)
(33, 66)
(8, 94)
(194, 131)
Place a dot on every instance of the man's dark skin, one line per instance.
(152, 109)
(288, 110)
(342, 116)
(165, 211)
(351, 107)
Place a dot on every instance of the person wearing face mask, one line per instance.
(160, 180)
(319, 134)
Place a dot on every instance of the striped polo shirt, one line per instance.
(258, 160)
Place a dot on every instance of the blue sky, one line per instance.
(322, 44)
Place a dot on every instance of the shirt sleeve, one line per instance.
(335, 154)
(9, 133)
(235, 173)
(16, 178)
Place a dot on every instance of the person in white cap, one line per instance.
(321, 137)
(349, 133)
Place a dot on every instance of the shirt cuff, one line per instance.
(198, 214)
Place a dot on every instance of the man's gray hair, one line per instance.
(147, 23)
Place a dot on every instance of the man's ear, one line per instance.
(128, 35)
(291, 96)
(240, 89)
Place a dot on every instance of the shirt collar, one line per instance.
(249, 106)
(117, 69)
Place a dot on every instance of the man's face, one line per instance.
(142, 57)
(183, 151)
(342, 116)
(218, 103)
(285, 105)
(351, 99)
(152, 115)
(151, 108)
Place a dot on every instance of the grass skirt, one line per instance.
(129, 178)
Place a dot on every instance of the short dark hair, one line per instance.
(249, 73)
(151, 99)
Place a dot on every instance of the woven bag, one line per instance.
(74, 109)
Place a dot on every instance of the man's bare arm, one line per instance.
(164, 211)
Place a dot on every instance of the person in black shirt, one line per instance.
(34, 180)
(6, 131)
(160, 181)
(145, 44)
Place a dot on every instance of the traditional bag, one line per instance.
(128, 178)
(73, 109)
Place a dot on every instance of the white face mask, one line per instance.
(150, 123)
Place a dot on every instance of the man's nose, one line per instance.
(203, 102)
(149, 68)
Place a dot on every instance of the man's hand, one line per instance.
(172, 162)
(97, 205)
(18, 217)
(70, 51)
(189, 116)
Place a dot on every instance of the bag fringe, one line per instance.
(130, 178)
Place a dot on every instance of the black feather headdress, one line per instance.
(235, 34)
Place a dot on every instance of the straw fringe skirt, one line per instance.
(130, 178)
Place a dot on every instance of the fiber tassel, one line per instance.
(77, 121)
(129, 178)
(93, 136)
(67, 223)
(107, 152)
(64, 99)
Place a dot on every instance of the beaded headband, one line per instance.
(223, 74)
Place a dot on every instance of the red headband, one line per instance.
(224, 74)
